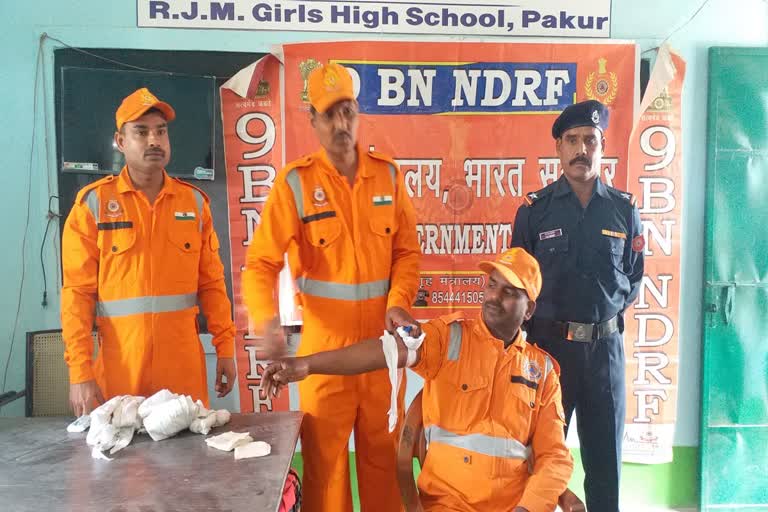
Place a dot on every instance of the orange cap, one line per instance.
(329, 84)
(137, 103)
(519, 268)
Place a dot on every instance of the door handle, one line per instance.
(729, 297)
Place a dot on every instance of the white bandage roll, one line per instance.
(389, 345)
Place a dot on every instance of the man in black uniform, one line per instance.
(588, 240)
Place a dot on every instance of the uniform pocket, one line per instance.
(184, 253)
(383, 226)
(472, 396)
(613, 249)
(551, 249)
(519, 407)
(117, 264)
(324, 230)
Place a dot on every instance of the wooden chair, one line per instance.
(413, 445)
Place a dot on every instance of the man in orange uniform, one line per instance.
(346, 220)
(491, 404)
(139, 253)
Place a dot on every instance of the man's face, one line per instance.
(144, 142)
(505, 307)
(581, 151)
(336, 128)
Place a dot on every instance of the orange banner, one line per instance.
(651, 334)
(253, 152)
(469, 124)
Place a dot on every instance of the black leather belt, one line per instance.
(576, 331)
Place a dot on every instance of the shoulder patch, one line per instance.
(531, 197)
(383, 157)
(304, 161)
(91, 186)
(458, 316)
(182, 182)
(545, 355)
(625, 196)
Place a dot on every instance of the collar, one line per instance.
(563, 187)
(363, 170)
(482, 329)
(124, 183)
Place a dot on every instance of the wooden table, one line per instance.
(42, 467)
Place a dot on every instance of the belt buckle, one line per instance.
(580, 332)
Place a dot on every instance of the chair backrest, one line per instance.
(47, 374)
(412, 445)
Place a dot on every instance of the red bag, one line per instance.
(291, 501)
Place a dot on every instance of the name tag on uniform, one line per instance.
(551, 234)
(185, 215)
(382, 200)
(615, 234)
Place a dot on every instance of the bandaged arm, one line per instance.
(365, 356)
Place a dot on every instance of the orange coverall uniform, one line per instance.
(140, 271)
(490, 415)
(354, 253)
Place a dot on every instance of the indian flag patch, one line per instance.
(382, 200)
(185, 215)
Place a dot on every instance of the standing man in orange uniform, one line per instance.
(350, 226)
(139, 254)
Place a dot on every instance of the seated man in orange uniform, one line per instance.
(493, 416)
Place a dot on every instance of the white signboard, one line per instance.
(521, 18)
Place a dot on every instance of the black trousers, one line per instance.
(592, 381)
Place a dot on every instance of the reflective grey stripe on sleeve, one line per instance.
(199, 201)
(504, 447)
(92, 200)
(393, 173)
(295, 183)
(454, 343)
(147, 304)
(548, 367)
(342, 291)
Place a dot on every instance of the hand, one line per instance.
(397, 316)
(85, 397)
(225, 367)
(273, 345)
(280, 373)
(569, 502)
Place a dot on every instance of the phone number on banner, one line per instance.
(471, 298)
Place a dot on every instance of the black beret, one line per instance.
(585, 113)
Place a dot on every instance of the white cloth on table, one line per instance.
(163, 415)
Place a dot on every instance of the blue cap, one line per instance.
(585, 113)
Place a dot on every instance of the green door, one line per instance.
(734, 426)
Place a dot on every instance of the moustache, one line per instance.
(581, 160)
(339, 135)
(152, 152)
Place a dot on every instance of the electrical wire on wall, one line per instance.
(38, 66)
(50, 167)
(682, 26)
(51, 217)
